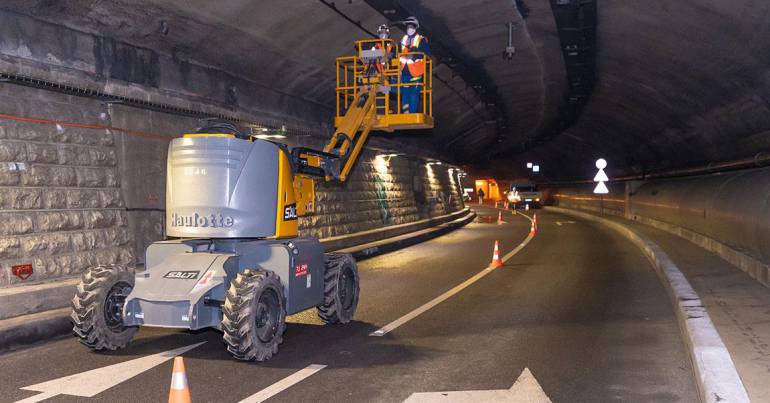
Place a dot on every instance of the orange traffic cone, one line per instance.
(496, 261)
(533, 227)
(500, 218)
(180, 391)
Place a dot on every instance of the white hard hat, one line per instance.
(412, 21)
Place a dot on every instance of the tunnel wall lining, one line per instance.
(725, 213)
(61, 208)
(97, 196)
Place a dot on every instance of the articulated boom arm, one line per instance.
(352, 133)
(340, 154)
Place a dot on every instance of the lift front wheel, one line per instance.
(254, 315)
(341, 289)
(97, 308)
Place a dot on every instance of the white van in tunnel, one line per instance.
(521, 195)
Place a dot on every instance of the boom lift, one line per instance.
(232, 203)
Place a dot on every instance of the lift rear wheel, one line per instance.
(341, 289)
(97, 308)
(254, 315)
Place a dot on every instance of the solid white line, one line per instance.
(443, 297)
(38, 397)
(283, 384)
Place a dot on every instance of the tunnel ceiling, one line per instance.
(677, 83)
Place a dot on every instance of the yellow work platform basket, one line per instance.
(379, 63)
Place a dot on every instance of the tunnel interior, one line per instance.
(612, 155)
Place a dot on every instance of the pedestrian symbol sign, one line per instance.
(601, 177)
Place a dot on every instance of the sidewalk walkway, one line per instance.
(739, 306)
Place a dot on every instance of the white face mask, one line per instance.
(411, 31)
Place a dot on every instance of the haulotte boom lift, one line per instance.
(236, 261)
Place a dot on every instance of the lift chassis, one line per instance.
(237, 262)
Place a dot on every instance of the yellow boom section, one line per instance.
(345, 146)
(353, 130)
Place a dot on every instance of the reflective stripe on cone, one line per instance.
(180, 390)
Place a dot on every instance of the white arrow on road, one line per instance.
(93, 382)
(525, 390)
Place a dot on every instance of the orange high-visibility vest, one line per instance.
(386, 61)
(416, 67)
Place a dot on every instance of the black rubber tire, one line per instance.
(90, 305)
(250, 294)
(341, 289)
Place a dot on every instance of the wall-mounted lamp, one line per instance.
(269, 136)
(387, 155)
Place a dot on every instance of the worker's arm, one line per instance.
(424, 46)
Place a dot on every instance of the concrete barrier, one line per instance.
(716, 377)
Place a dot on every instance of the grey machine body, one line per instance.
(222, 197)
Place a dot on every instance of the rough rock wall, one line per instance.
(74, 197)
(60, 204)
(383, 191)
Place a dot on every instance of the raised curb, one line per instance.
(19, 327)
(372, 249)
(715, 373)
(364, 237)
(34, 327)
(31, 298)
(754, 267)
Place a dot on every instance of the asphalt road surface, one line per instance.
(577, 315)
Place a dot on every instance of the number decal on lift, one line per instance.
(290, 212)
(182, 275)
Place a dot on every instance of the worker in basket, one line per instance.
(412, 66)
(383, 32)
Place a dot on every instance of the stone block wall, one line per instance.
(75, 197)
(61, 208)
(381, 192)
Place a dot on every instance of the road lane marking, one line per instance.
(443, 297)
(525, 389)
(95, 381)
(560, 223)
(283, 384)
(38, 398)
